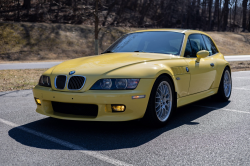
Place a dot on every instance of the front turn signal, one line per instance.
(38, 101)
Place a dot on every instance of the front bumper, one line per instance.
(135, 108)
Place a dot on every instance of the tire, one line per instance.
(225, 87)
(161, 103)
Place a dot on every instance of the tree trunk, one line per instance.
(58, 9)
(225, 20)
(210, 14)
(194, 21)
(249, 21)
(96, 28)
(219, 20)
(230, 19)
(27, 5)
(215, 16)
(144, 11)
(244, 20)
(188, 13)
(203, 14)
(235, 9)
(18, 11)
(198, 19)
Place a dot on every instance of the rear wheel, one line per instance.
(225, 88)
(161, 103)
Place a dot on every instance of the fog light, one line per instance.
(118, 108)
(38, 101)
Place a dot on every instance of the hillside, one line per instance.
(41, 41)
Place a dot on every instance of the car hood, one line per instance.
(105, 63)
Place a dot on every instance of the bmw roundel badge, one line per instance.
(72, 72)
(187, 69)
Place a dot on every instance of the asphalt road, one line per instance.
(203, 133)
(41, 65)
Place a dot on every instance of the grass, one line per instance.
(27, 78)
(19, 79)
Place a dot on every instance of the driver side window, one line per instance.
(188, 51)
(195, 44)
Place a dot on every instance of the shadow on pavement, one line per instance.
(107, 135)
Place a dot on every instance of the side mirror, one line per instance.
(201, 54)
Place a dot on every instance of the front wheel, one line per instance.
(225, 88)
(161, 102)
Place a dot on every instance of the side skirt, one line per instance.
(195, 97)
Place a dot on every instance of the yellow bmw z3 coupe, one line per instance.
(143, 75)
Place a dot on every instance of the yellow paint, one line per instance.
(201, 54)
(201, 81)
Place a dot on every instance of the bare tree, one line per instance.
(96, 27)
(244, 20)
(210, 2)
(27, 5)
(249, 21)
(235, 11)
(225, 15)
(215, 15)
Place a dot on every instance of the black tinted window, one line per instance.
(210, 45)
(188, 50)
(153, 42)
(197, 43)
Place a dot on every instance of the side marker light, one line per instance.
(138, 97)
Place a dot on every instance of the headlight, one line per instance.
(115, 84)
(44, 81)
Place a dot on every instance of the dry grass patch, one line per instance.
(230, 43)
(240, 66)
(19, 79)
(41, 41)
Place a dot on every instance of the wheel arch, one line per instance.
(170, 77)
(172, 81)
(222, 65)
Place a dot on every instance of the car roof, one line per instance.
(185, 31)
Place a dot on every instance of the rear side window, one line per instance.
(210, 45)
(197, 44)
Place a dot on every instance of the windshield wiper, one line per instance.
(139, 51)
(107, 52)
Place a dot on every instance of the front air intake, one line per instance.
(90, 110)
(76, 82)
(60, 81)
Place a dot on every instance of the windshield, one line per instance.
(163, 42)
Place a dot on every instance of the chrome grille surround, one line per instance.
(55, 82)
(76, 82)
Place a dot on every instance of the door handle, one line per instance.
(212, 64)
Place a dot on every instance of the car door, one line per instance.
(202, 73)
